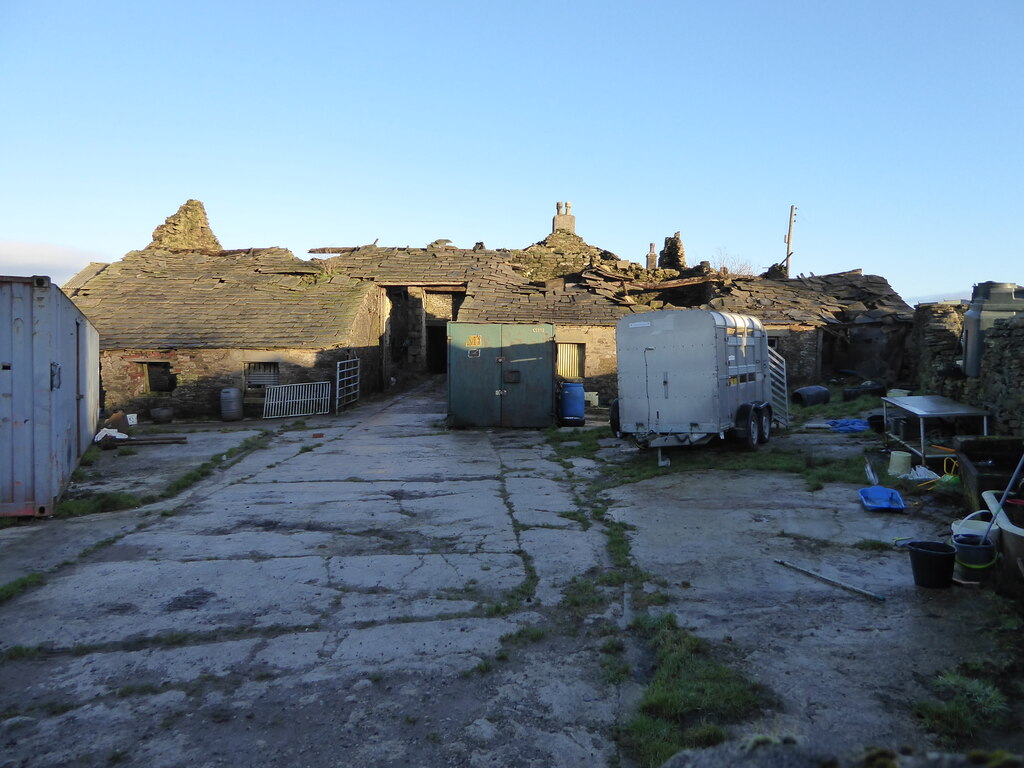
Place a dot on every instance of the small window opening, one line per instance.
(259, 376)
(159, 377)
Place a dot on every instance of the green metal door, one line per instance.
(501, 375)
(528, 375)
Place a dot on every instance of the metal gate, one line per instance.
(780, 391)
(346, 383)
(297, 400)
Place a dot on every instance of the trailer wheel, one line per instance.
(748, 426)
(765, 424)
(613, 416)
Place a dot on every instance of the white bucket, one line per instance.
(899, 463)
(897, 393)
(970, 525)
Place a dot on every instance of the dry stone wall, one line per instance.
(1000, 387)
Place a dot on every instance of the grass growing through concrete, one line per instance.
(14, 588)
(576, 443)
(96, 503)
(817, 471)
(690, 693)
(963, 707)
(221, 461)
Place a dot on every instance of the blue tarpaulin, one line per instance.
(848, 425)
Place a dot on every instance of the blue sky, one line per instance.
(897, 128)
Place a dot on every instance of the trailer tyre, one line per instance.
(613, 416)
(748, 426)
(765, 424)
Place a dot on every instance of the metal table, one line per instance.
(925, 407)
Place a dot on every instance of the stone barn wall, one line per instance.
(801, 346)
(200, 375)
(601, 368)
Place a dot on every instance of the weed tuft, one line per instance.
(688, 685)
(964, 706)
(14, 588)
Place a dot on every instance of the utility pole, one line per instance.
(789, 239)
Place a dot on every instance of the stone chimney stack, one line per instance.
(652, 258)
(564, 221)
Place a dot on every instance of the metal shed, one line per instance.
(49, 393)
(501, 374)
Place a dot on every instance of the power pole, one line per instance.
(789, 239)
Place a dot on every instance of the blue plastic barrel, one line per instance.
(572, 404)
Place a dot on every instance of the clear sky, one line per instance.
(896, 127)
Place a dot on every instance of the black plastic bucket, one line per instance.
(932, 562)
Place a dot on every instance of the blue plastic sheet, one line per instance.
(848, 425)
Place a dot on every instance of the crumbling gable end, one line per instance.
(188, 229)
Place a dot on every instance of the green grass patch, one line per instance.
(962, 708)
(127, 450)
(14, 588)
(91, 456)
(21, 653)
(96, 503)
(835, 408)
(576, 443)
(689, 691)
(524, 636)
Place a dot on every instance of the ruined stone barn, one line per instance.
(827, 324)
(183, 318)
(548, 282)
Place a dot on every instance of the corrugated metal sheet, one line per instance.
(571, 360)
(49, 393)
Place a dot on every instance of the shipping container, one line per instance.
(49, 393)
(501, 375)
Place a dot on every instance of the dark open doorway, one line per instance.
(437, 348)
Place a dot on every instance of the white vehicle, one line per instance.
(687, 376)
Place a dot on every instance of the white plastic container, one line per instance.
(899, 463)
(975, 526)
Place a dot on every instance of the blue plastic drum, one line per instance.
(571, 404)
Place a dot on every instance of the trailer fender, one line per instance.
(613, 417)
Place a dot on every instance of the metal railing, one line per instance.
(780, 388)
(297, 399)
(347, 383)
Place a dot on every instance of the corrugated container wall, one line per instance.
(49, 393)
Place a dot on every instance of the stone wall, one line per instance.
(201, 374)
(935, 344)
(1000, 387)
(600, 361)
(801, 346)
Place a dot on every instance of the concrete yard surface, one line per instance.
(394, 593)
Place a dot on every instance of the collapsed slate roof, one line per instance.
(243, 299)
(494, 290)
(842, 297)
